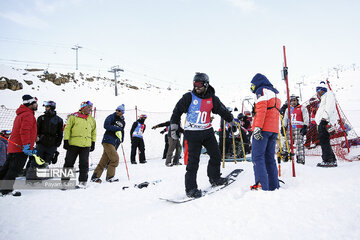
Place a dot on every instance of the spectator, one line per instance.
(113, 137)
(326, 118)
(23, 134)
(266, 129)
(3, 146)
(79, 140)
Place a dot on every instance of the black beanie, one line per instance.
(28, 100)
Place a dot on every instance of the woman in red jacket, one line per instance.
(265, 131)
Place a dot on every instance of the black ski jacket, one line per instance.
(183, 104)
(50, 129)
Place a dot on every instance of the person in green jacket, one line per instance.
(79, 140)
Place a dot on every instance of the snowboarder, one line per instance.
(137, 141)
(79, 140)
(198, 104)
(300, 122)
(113, 136)
(265, 132)
(24, 133)
(50, 133)
(326, 118)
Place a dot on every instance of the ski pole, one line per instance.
(223, 129)
(127, 171)
(280, 150)
(38, 160)
(242, 141)
(233, 140)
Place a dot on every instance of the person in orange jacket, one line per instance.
(265, 132)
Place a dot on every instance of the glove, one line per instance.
(119, 135)
(257, 134)
(174, 127)
(331, 129)
(163, 131)
(55, 157)
(27, 151)
(154, 127)
(66, 144)
(92, 148)
(304, 130)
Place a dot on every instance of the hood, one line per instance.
(260, 82)
(23, 109)
(208, 94)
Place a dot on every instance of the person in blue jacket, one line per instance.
(114, 135)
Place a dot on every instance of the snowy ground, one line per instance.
(316, 204)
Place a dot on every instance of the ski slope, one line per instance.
(317, 204)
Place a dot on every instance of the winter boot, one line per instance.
(169, 164)
(133, 162)
(14, 193)
(256, 186)
(81, 185)
(194, 193)
(95, 179)
(112, 179)
(327, 164)
(218, 182)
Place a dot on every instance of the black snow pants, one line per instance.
(197, 139)
(324, 137)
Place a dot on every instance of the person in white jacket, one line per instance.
(326, 118)
(299, 124)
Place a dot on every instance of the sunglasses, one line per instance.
(198, 84)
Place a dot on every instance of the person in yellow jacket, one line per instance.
(79, 140)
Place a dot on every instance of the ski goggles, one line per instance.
(49, 104)
(84, 104)
(198, 84)
(143, 116)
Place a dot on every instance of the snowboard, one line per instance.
(210, 190)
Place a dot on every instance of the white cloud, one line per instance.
(245, 5)
(24, 19)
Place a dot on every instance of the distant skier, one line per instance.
(113, 136)
(265, 132)
(137, 141)
(3, 145)
(198, 104)
(326, 118)
(300, 122)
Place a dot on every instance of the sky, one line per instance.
(169, 40)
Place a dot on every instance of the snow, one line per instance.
(317, 204)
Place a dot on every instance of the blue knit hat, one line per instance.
(121, 108)
(322, 86)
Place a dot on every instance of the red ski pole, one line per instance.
(127, 171)
(289, 112)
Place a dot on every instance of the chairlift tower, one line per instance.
(114, 70)
(76, 48)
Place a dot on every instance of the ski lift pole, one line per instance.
(289, 112)
(242, 142)
(341, 122)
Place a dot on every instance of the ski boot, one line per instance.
(218, 182)
(327, 164)
(81, 185)
(194, 193)
(112, 179)
(256, 186)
